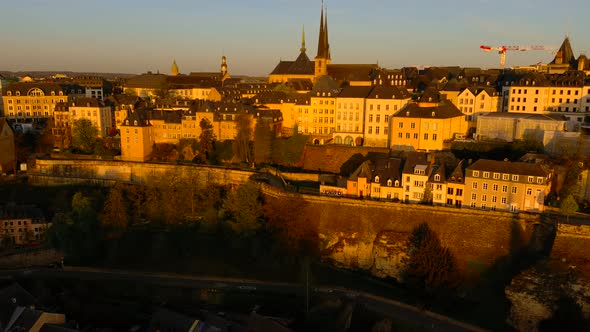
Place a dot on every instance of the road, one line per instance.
(423, 320)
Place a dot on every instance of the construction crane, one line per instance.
(502, 50)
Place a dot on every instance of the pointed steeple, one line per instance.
(564, 55)
(174, 68)
(327, 41)
(303, 49)
(321, 37)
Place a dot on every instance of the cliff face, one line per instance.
(383, 256)
(534, 293)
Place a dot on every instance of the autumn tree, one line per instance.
(206, 140)
(114, 213)
(242, 147)
(430, 267)
(244, 208)
(84, 135)
(263, 139)
(569, 206)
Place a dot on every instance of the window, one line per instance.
(370, 130)
(474, 185)
(370, 117)
(413, 125)
(459, 192)
(434, 136)
(426, 136)
(437, 177)
(503, 200)
(473, 197)
(494, 199)
(415, 135)
(378, 118)
(377, 179)
(484, 198)
(486, 174)
(504, 189)
(449, 191)
(514, 177)
(401, 125)
(496, 176)
(513, 190)
(495, 187)
(485, 186)
(531, 179)
(540, 180)
(475, 174)
(505, 176)
(529, 191)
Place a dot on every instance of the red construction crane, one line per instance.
(502, 50)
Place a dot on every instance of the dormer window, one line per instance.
(389, 182)
(396, 183)
(475, 174)
(135, 122)
(9, 93)
(126, 122)
(377, 179)
(437, 177)
(18, 93)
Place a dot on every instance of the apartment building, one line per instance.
(22, 224)
(350, 115)
(381, 104)
(504, 185)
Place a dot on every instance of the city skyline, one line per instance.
(136, 37)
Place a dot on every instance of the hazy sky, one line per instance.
(134, 36)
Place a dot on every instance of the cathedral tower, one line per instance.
(322, 59)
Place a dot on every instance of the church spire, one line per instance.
(327, 42)
(175, 70)
(321, 37)
(303, 49)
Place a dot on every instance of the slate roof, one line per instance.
(22, 319)
(86, 102)
(24, 87)
(355, 92)
(4, 123)
(166, 116)
(170, 321)
(12, 296)
(440, 170)
(415, 158)
(509, 167)
(458, 174)
(325, 84)
(442, 111)
(13, 211)
(140, 116)
(365, 170)
(301, 66)
(388, 92)
(527, 116)
(353, 72)
(387, 169)
(300, 84)
(123, 99)
(329, 158)
(565, 54)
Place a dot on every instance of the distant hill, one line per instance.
(8, 74)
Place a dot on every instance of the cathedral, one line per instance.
(304, 69)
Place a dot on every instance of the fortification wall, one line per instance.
(371, 235)
(53, 172)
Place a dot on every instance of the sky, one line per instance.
(136, 36)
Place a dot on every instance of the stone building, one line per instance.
(22, 224)
(504, 185)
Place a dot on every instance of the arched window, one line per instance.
(18, 93)
(397, 183)
(389, 183)
(437, 177)
(126, 122)
(135, 122)
(338, 140)
(377, 179)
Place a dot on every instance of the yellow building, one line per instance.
(322, 110)
(8, 156)
(504, 185)
(350, 115)
(381, 104)
(380, 179)
(455, 184)
(123, 104)
(426, 127)
(475, 101)
(27, 101)
(136, 137)
(94, 110)
(22, 224)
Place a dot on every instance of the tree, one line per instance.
(114, 213)
(430, 268)
(84, 135)
(569, 206)
(263, 137)
(206, 140)
(427, 196)
(242, 148)
(244, 205)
